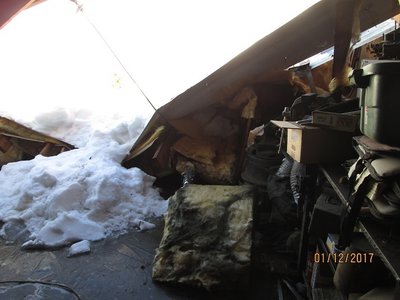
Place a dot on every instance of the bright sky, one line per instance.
(50, 56)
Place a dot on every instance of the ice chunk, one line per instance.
(143, 225)
(79, 248)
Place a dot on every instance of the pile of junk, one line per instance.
(235, 190)
(235, 194)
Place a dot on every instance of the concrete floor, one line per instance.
(115, 269)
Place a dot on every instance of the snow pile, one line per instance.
(83, 194)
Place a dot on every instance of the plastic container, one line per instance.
(379, 101)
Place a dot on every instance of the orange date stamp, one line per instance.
(347, 257)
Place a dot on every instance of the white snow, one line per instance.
(79, 248)
(69, 86)
(82, 194)
(143, 225)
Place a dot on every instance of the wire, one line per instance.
(80, 9)
(59, 285)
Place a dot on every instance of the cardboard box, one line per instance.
(313, 145)
(337, 121)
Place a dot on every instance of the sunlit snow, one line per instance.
(83, 194)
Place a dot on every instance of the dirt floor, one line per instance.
(115, 269)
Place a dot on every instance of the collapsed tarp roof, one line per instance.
(310, 33)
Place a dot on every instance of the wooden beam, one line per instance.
(5, 143)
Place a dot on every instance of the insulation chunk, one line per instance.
(207, 237)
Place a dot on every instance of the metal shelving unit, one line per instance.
(384, 239)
